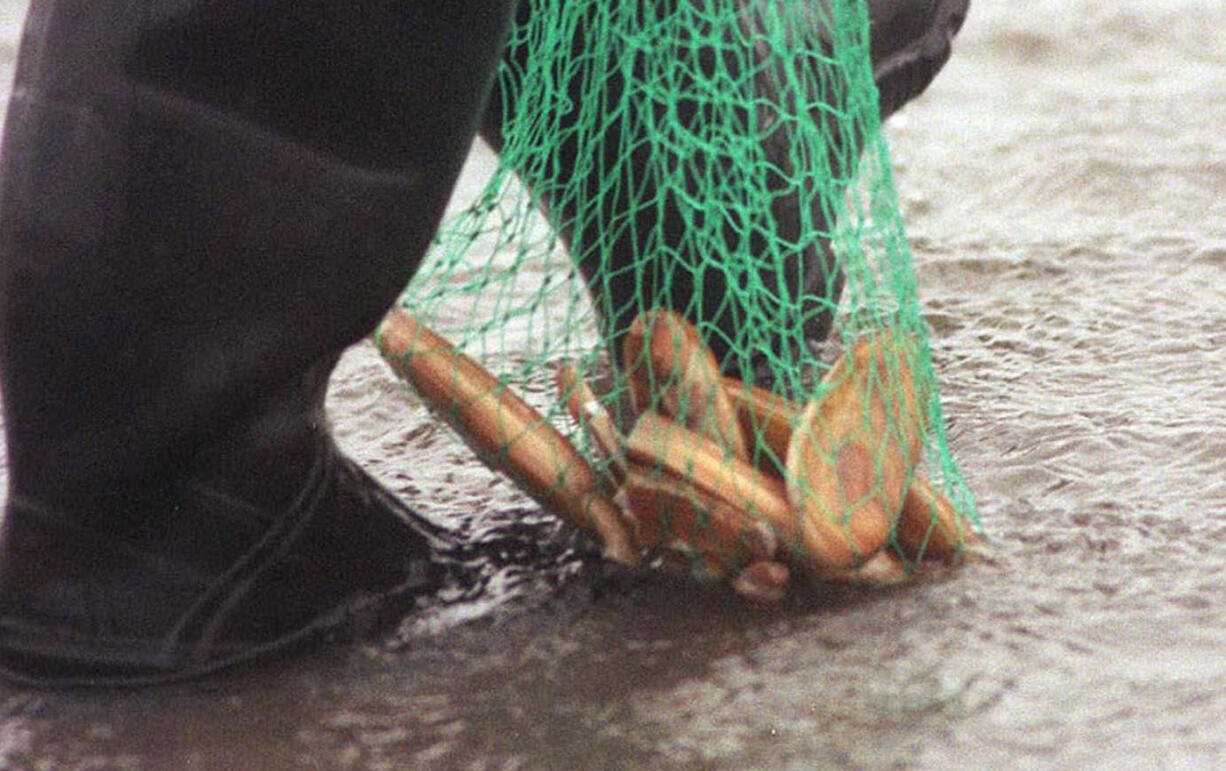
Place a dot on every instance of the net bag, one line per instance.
(693, 232)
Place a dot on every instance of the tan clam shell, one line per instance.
(762, 581)
(664, 355)
(666, 509)
(767, 417)
(659, 442)
(853, 451)
(883, 568)
(929, 526)
(586, 409)
(507, 433)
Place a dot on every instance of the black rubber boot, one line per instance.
(910, 42)
(203, 204)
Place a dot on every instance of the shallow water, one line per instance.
(1064, 186)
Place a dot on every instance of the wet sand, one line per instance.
(1064, 187)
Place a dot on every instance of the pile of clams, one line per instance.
(728, 477)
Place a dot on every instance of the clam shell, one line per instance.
(505, 432)
(669, 448)
(670, 370)
(766, 417)
(929, 527)
(586, 409)
(665, 509)
(852, 452)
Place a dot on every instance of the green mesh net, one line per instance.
(693, 229)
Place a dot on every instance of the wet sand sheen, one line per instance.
(1064, 185)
